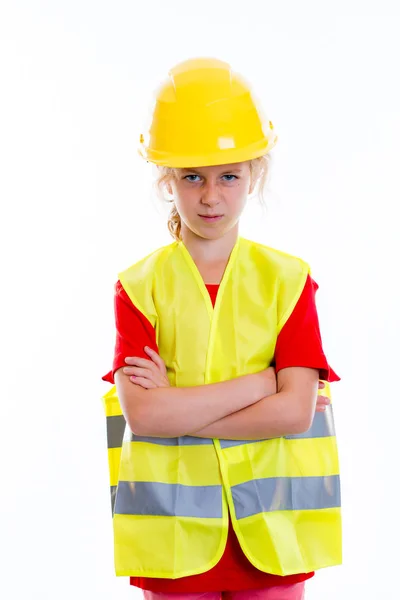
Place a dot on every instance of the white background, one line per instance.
(77, 207)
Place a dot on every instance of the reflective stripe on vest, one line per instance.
(164, 499)
(250, 498)
(171, 495)
(285, 493)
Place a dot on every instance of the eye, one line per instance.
(191, 180)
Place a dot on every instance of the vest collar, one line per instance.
(196, 274)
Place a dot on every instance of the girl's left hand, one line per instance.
(147, 373)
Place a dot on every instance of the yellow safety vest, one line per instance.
(171, 496)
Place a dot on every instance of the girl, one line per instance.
(226, 482)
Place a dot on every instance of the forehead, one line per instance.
(217, 169)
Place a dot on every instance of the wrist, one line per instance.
(254, 387)
(262, 384)
(272, 387)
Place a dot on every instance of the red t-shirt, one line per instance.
(298, 345)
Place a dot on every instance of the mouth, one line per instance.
(211, 218)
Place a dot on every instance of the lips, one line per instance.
(211, 218)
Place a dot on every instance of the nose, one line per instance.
(210, 194)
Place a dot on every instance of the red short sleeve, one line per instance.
(133, 332)
(299, 342)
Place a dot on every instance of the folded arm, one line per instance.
(177, 411)
(289, 411)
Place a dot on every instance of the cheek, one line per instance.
(184, 202)
(238, 196)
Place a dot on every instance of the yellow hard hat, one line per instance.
(205, 114)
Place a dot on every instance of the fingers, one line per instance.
(138, 372)
(139, 362)
(323, 400)
(156, 358)
(322, 403)
(156, 361)
(148, 374)
(143, 382)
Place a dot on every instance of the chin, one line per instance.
(208, 235)
(211, 231)
(215, 234)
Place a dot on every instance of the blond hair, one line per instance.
(259, 171)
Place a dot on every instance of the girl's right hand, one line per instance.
(322, 401)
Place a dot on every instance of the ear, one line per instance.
(169, 188)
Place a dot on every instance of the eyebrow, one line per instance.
(235, 170)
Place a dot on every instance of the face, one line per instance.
(210, 200)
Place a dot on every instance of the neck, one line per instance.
(210, 251)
